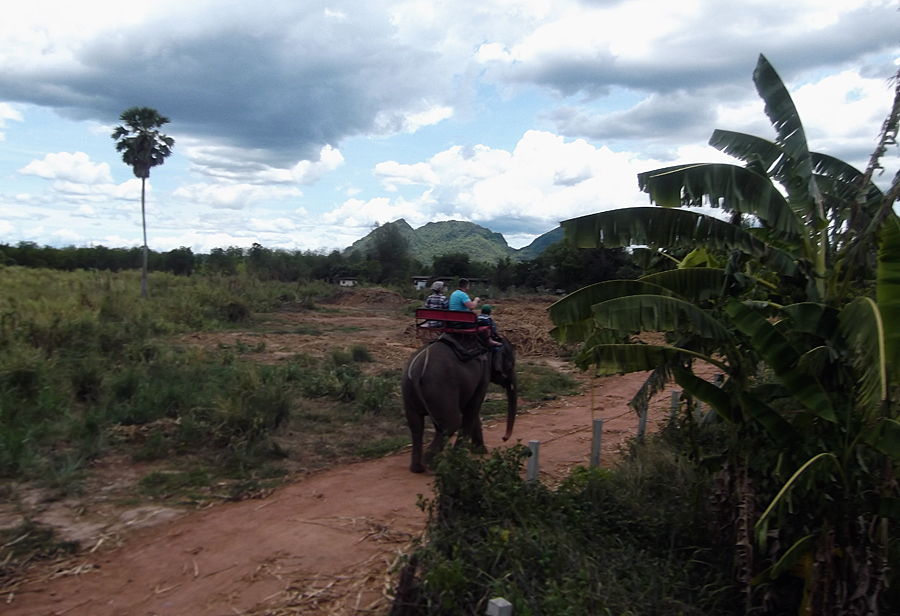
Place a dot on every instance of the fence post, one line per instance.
(642, 424)
(499, 607)
(595, 443)
(531, 474)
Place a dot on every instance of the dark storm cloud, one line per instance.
(678, 114)
(286, 85)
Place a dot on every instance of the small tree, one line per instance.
(142, 147)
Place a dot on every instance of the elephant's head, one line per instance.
(503, 373)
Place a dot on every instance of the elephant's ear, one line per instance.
(504, 361)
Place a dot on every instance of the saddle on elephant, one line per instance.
(461, 324)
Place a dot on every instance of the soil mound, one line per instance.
(377, 299)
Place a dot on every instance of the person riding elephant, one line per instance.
(460, 300)
(439, 384)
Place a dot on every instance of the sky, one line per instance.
(301, 124)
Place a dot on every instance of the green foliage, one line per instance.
(814, 444)
(536, 382)
(598, 544)
(454, 264)
(82, 359)
(159, 483)
(391, 250)
(360, 354)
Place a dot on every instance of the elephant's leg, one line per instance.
(417, 430)
(472, 431)
(437, 443)
(471, 417)
(446, 429)
(478, 437)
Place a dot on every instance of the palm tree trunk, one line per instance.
(144, 224)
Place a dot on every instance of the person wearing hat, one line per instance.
(485, 320)
(436, 301)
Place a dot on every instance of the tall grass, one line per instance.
(80, 353)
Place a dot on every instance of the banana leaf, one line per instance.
(748, 148)
(694, 285)
(657, 313)
(651, 226)
(777, 426)
(844, 178)
(790, 482)
(888, 292)
(791, 137)
(716, 398)
(698, 257)
(576, 307)
(734, 188)
(863, 329)
(611, 359)
(781, 356)
(812, 318)
(885, 437)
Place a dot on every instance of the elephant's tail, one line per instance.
(415, 360)
(416, 381)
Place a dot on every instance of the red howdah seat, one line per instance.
(455, 321)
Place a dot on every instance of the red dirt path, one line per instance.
(325, 544)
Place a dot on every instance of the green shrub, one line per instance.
(599, 544)
(360, 354)
(379, 394)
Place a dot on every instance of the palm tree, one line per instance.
(142, 147)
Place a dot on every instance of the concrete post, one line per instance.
(499, 607)
(531, 473)
(595, 443)
(642, 424)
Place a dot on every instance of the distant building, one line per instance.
(347, 282)
(420, 282)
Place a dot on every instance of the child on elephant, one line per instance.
(487, 328)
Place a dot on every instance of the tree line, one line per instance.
(560, 266)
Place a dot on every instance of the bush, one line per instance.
(599, 544)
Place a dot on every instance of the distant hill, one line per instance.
(440, 238)
(540, 243)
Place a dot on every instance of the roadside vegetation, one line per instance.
(636, 539)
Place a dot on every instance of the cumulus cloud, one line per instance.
(85, 211)
(522, 193)
(357, 214)
(67, 236)
(74, 168)
(240, 165)
(233, 196)
(7, 112)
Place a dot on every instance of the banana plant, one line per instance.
(798, 220)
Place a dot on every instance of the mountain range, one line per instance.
(452, 236)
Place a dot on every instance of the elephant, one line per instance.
(436, 383)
